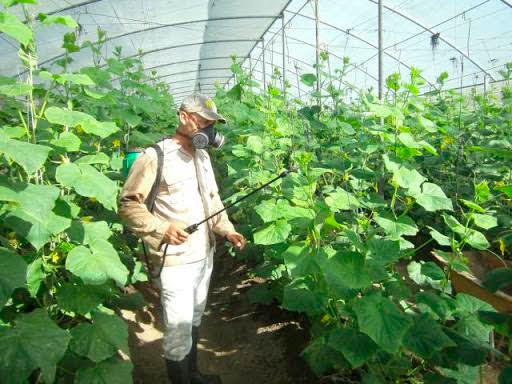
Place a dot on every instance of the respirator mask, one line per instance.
(208, 136)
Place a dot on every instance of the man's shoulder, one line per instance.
(168, 146)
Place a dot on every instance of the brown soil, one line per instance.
(241, 342)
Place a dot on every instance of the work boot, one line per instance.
(197, 377)
(177, 371)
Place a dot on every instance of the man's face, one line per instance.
(190, 123)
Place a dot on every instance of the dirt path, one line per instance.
(242, 342)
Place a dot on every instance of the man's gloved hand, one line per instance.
(175, 234)
(237, 239)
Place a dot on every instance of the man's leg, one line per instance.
(178, 285)
(200, 297)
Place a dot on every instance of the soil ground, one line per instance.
(241, 342)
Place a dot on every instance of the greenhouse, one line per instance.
(226, 191)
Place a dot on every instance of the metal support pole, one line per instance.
(264, 64)
(284, 56)
(381, 51)
(317, 35)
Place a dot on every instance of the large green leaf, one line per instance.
(299, 260)
(404, 225)
(383, 251)
(30, 156)
(106, 372)
(380, 319)
(255, 144)
(347, 269)
(441, 306)
(32, 216)
(308, 78)
(95, 265)
(355, 346)
(35, 342)
(300, 296)
(35, 276)
(497, 279)
(80, 299)
(277, 232)
(89, 182)
(16, 89)
(100, 339)
(408, 178)
(484, 221)
(85, 233)
(89, 124)
(76, 78)
(432, 198)
(12, 26)
(341, 200)
(68, 141)
(472, 237)
(426, 336)
(12, 274)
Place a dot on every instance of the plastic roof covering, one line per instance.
(188, 43)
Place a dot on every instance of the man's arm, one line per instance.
(132, 209)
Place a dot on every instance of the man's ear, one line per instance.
(182, 115)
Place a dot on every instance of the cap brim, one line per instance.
(212, 116)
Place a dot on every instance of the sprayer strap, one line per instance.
(150, 200)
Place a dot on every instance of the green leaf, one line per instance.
(506, 189)
(404, 225)
(75, 78)
(299, 260)
(432, 270)
(89, 182)
(472, 237)
(97, 158)
(505, 376)
(497, 279)
(439, 237)
(12, 26)
(380, 319)
(473, 206)
(267, 211)
(12, 274)
(355, 346)
(68, 141)
(100, 339)
(322, 358)
(106, 372)
(30, 156)
(32, 216)
(89, 124)
(97, 264)
(484, 221)
(482, 191)
(426, 336)
(347, 269)
(18, 89)
(13, 132)
(255, 144)
(80, 299)
(441, 306)
(35, 276)
(35, 342)
(68, 21)
(464, 374)
(10, 3)
(85, 233)
(468, 304)
(384, 251)
(432, 198)
(341, 200)
(308, 78)
(277, 232)
(408, 179)
(299, 296)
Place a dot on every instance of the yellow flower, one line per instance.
(502, 247)
(55, 257)
(86, 219)
(447, 140)
(79, 129)
(116, 143)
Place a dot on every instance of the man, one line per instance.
(188, 194)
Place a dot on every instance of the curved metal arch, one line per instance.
(162, 26)
(192, 71)
(199, 79)
(79, 5)
(185, 86)
(446, 41)
(507, 3)
(360, 39)
(144, 53)
(191, 61)
(208, 89)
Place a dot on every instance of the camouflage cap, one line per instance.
(203, 106)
